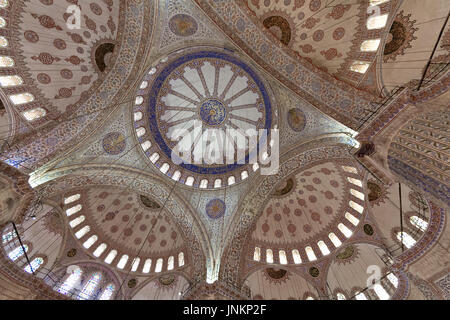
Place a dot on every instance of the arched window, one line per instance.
(147, 266)
(82, 232)
(10, 81)
(146, 145)
(3, 42)
(122, 262)
(269, 256)
(282, 256)
(360, 296)
(110, 257)
(377, 21)
(21, 98)
(257, 254)
(100, 249)
(72, 198)
(181, 259)
(176, 175)
(140, 131)
(154, 157)
(144, 85)
(73, 210)
(7, 237)
(75, 222)
(393, 279)
(17, 252)
(159, 264)
(35, 264)
(139, 100)
(340, 296)
(356, 206)
(345, 231)
(355, 181)
(370, 45)
(137, 116)
(108, 292)
(350, 169)
(296, 256)
(6, 62)
(203, 183)
(89, 242)
(310, 254)
(71, 281)
(323, 248)
(189, 180)
(89, 288)
(357, 194)
(170, 263)
(34, 114)
(352, 219)
(419, 223)
(335, 240)
(135, 264)
(407, 240)
(380, 292)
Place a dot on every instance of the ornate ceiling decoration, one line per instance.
(132, 23)
(253, 203)
(315, 202)
(321, 34)
(125, 223)
(65, 76)
(337, 99)
(199, 104)
(128, 222)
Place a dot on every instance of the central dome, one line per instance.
(199, 109)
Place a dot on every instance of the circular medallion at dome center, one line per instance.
(212, 112)
(200, 107)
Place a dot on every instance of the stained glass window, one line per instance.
(159, 264)
(393, 279)
(181, 259)
(35, 264)
(361, 296)
(407, 240)
(8, 236)
(71, 281)
(419, 223)
(282, 256)
(381, 292)
(269, 256)
(170, 263)
(257, 254)
(17, 252)
(108, 292)
(88, 290)
(341, 296)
